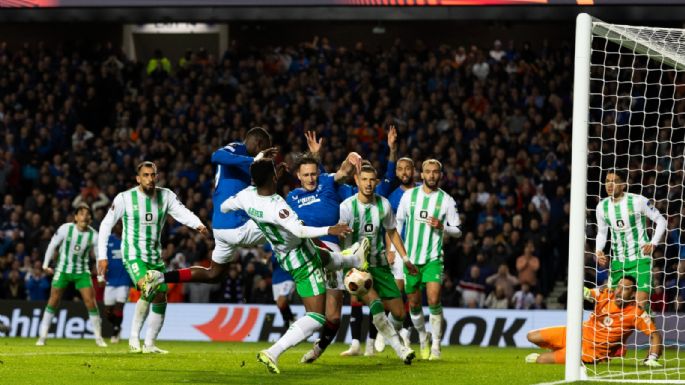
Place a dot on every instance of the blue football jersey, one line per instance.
(116, 272)
(320, 207)
(232, 176)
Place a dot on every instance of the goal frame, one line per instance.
(579, 151)
(585, 26)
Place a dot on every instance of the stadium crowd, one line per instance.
(75, 121)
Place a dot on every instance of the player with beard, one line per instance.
(428, 213)
(144, 210)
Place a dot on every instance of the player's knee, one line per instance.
(433, 301)
(533, 336)
(90, 303)
(334, 320)
(159, 298)
(109, 311)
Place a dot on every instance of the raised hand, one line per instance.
(411, 268)
(281, 168)
(355, 160)
(392, 137)
(313, 144)
(602, 259)
(268, 153)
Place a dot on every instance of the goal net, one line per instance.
(629, 106)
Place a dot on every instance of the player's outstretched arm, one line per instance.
(226, 156)
(655, 344)
(181, 213)
(386, 184)
(351, 165)
(232, 204)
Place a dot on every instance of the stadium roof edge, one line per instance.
(342, 13)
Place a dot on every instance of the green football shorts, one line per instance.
(62, 280)
(430, 272)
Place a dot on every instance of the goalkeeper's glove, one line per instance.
(651, 361)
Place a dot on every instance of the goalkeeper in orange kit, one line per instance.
(614, 318)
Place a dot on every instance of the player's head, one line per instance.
(366, 180)
(146, 176)
(263, 173)
(431, 173)
(405, 171)
(625, 290)
(257, 140)
(615, 183)
(307, 171)
(82, 215)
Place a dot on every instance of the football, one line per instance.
(358, 282)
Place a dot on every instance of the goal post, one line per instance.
(628, 117)
(579, 141)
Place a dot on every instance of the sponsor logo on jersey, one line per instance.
(368, 228)
(255, 213)
(306, 201)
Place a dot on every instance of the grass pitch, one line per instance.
(81, 362)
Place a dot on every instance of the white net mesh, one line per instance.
(637, 128)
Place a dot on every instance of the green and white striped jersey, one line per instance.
(423, 242)
(627, 220)
(143, 219)
(74, 249)
(368, 220)
(280, 225)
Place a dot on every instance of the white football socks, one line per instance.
(298, 332)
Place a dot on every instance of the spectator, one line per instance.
(233, 286)
(504, 279)
(658, 300)
(198, 292)
(449, 293)
(523, 298)
(37, 284)
(497, 53)
(14, 287)
(527, 266)
(472, 288)
(262, 293)
(539, 302)
(159, 65)
(498, 299)
(540, 200)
